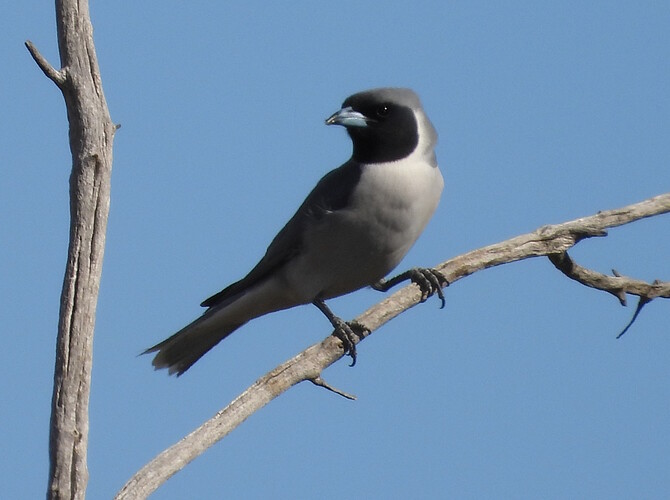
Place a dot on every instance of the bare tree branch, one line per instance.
(617, 285)
(91, 134)
(322, 383)
(643, 301)
(58, 77)
(309, 364)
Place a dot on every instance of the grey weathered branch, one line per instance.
(322, 383)
(617, 285)
(58, 77)
(91, 133)
(309, 364)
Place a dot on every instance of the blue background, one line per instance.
(547, 111)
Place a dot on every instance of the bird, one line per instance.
(351, 231)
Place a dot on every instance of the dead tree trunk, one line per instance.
(91, 134)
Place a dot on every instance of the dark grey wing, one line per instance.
(330, 194)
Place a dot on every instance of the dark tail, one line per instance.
(188, 345)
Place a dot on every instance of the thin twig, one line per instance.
(618, 285)
(640, 304)
(322, 383)
(56, 76)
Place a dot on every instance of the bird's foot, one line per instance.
(430, 281)
(347, 331)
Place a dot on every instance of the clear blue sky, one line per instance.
(547, 111)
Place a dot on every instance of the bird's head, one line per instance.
(385, 124)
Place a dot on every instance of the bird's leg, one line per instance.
(346, 331)
(430, 281)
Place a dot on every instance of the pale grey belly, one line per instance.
(345, 254)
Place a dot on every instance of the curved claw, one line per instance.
(346, 332)
(430, 281)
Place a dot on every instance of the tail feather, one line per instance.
(188, 345)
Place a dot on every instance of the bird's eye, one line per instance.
(382, 110)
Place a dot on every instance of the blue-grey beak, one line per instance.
(347, 117)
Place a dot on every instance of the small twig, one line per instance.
(617, 285)
(56, 76)
(611, 284)
(641, 303)
(322, 383)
